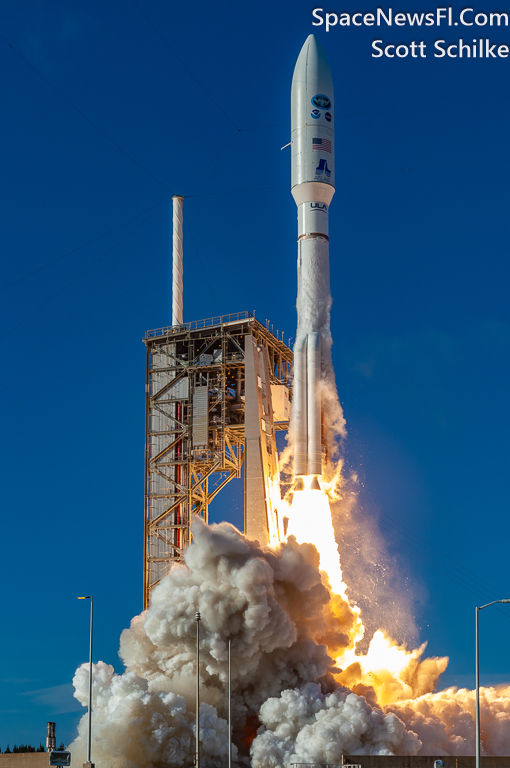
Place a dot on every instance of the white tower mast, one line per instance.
(177, 261)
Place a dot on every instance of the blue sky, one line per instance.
(103, 120)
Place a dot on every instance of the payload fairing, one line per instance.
(313, 187)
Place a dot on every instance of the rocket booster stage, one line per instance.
(313, 187)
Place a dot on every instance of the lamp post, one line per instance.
(477, 676)
(197, 726)
(229, 703)
(89, 597)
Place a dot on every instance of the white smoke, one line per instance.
(445, 721)
(306, 726)
(274, 608)
(278, 614)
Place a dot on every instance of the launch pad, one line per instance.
(217, 391)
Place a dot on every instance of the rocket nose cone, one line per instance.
(313, 44)
(312, 123)
(312, 62)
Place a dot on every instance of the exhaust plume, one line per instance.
(275, 608)
(290, 699)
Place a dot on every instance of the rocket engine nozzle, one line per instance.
(51, 741)
(314, 486)
(300, 485)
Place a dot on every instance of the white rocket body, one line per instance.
(313, 178)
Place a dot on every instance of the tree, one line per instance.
(23, 748)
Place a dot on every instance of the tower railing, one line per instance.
(194, 325)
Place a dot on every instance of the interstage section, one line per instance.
(217, 391)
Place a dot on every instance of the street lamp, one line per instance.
(197, 734)
(230, 702)
(89, 597)
(477, 675)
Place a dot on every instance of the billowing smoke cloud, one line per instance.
(275, 609)
(306, 726)
(444, 721)
(288, 702)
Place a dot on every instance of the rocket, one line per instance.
(313, 187)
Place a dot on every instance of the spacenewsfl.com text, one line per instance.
(476, 48)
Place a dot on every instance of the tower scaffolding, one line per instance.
(217, 391)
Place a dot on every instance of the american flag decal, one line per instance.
(321, 145)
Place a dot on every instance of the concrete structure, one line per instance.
(422, 761)
(25, 760)
(217, 391)
(41, 760)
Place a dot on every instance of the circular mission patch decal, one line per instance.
(321, 101)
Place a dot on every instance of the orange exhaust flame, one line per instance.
(387, 672)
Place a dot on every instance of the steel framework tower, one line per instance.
(217, 391)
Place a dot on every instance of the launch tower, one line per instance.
(217, 391)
